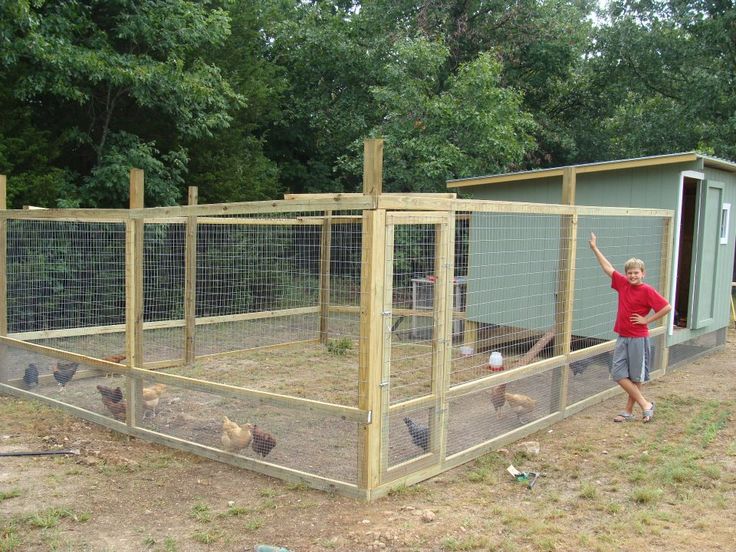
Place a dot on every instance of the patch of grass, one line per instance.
(201, 512)
(646, 495)
(50, 518)
(298, 486)
(207, 537)
(12, 493)
(10, 540)
(149, 542)
(711, 418)
(471, 542)
(267, 492)
(588, 491)
(170, 545)
(234, 511)
(253, 524)
(403, 490)
(339, 347)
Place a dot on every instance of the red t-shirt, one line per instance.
(640, 300)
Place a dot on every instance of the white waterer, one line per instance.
(495, 362)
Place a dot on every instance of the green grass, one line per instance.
(50, 518)
(12, 493)
(207, 537)
(201, 512)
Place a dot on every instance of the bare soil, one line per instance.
(668, 485)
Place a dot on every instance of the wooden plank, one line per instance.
(134, 296)
(325, 263)
(387, 335)
(190, 282)
(371, 349)
(497, 378)
(373, 167)
(252, 464)
(166, 324)
(442, 343)
(665, 283)
(564, 305)
(4, 371)
(568, 186)
(415, 217)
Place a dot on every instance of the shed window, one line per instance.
(725, 215)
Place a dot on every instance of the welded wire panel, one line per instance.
(71, 383)
(345, 263)
(292, 437)
(480, 416)
(316, 371)
(413, 322)
(64, 275)
(619, 239)
(589, 376)
(410, 435)
(508, 269)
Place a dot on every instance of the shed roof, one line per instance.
(638, 162)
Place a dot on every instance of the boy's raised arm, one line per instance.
(605, 264)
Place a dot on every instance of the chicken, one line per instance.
(30, 376)
(115, 358)
(419, 433)
(498, 397)
(64, 372)
(114, 401)
(151, 397)
(263, 442)
(235, 437)
(520, 404)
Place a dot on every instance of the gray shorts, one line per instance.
(631, 359)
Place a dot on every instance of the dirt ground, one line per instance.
(605, 487)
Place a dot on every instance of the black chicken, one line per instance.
(30, 376)
(64, 372)
(419, 433)
(262, 442)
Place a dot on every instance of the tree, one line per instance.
(664, 71)
(119, 81)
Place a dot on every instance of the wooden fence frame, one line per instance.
(375, 208)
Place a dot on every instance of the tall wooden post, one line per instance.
(665, 281)
(371, 321)
(565, 289)
(324, 278)
(4, 372)
(134, 295)
(190, 281)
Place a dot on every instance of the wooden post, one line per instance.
(190, 281)
(4, 372)
(565, 289)
(371, 346)
(371, 321)
(569, 184)
(324, 278)
(442, 343)
(373, 167)
(665, 281)
(134, 296)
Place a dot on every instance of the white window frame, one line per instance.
(725, 220)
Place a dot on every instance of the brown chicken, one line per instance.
(151, 397)
(115, 358)
(521, 404)
(64, 371)
(235, 437)
(114, 401)
(498, 397)
(263, 442)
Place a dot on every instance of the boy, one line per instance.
(636, 300)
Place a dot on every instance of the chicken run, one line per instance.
(292, 338)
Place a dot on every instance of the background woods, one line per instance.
(251, 99)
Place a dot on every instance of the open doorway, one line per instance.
(685, 250)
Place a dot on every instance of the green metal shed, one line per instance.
(699, 189)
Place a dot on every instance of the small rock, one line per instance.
(428, 516)
(366, 522)
(230, 503)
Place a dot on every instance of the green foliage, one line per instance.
(339, 347)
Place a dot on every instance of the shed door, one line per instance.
(704, 271)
